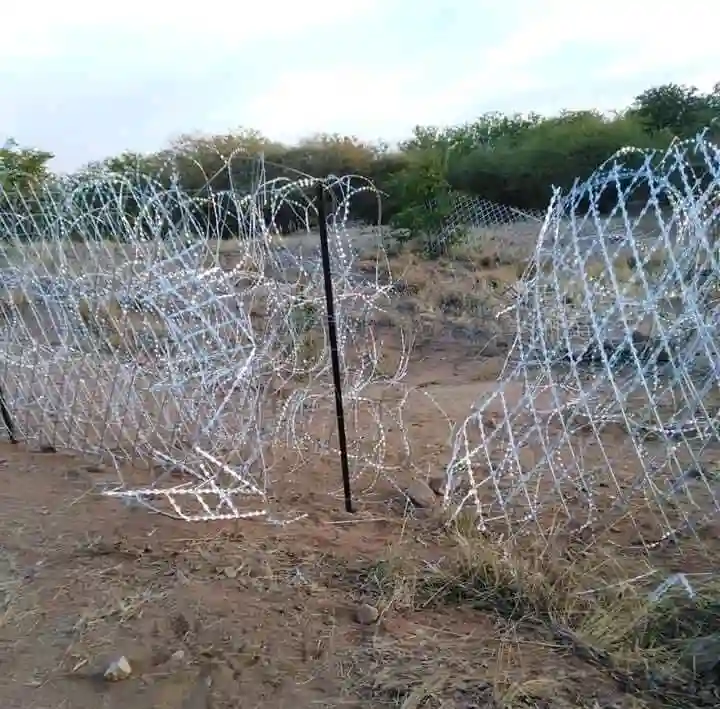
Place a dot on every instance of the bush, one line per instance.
(421, 200)
(554, 152)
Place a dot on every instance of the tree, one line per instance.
(424, 201)
(22, 170)
(24, 179)
(511, 159)
(684, 110)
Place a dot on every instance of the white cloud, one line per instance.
(87, 79)
(341, 98)
(426, 87)
(375, 100)
(44, 30)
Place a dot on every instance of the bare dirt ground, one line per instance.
(383, 608)
(387, 607)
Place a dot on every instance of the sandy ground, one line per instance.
(247, 614)
(336, 609)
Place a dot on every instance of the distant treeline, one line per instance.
(512, 160)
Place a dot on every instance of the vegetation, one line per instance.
(640, 650)
(507, 159)
(22, 169)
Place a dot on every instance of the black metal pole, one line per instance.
(7, 418)
(334, 355)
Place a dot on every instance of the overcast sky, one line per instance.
(88, 79)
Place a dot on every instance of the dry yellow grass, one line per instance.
(435, 283)
(13, 302)
(584, 602)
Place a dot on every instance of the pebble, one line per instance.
(420, 494)
(366, 614)
(118, 669)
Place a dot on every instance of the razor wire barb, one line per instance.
(608, 410)
(129, 331)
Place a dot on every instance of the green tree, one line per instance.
(521, 169)
(422, 200)
(511, 159)
(683, 110)
(22, 170)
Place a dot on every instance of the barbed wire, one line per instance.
(129, 332)
(608, 410)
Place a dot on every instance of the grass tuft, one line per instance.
(586, 601)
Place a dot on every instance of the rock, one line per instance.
(231, 572)
(132, 502)
(181, 578)
(366, 614)
(421, 494)
(259, 569)
(437, 484)
(177, 656)
(492, 419)
(696, 472)
(118, 669)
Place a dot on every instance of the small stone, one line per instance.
(177, 656)
(230, 571)
(420, 494)
(132, 502)
(174, 471)
(118, 669)
(438, 484)
(260, 569)
(492, 419)
(366, 614)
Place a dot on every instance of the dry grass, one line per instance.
(269, 613)
(121, 329)
(588, 609)
(627, 269)
(13, 302)
(458, 296)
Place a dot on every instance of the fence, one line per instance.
(140, 339)
(607, 415)
(143, 340)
